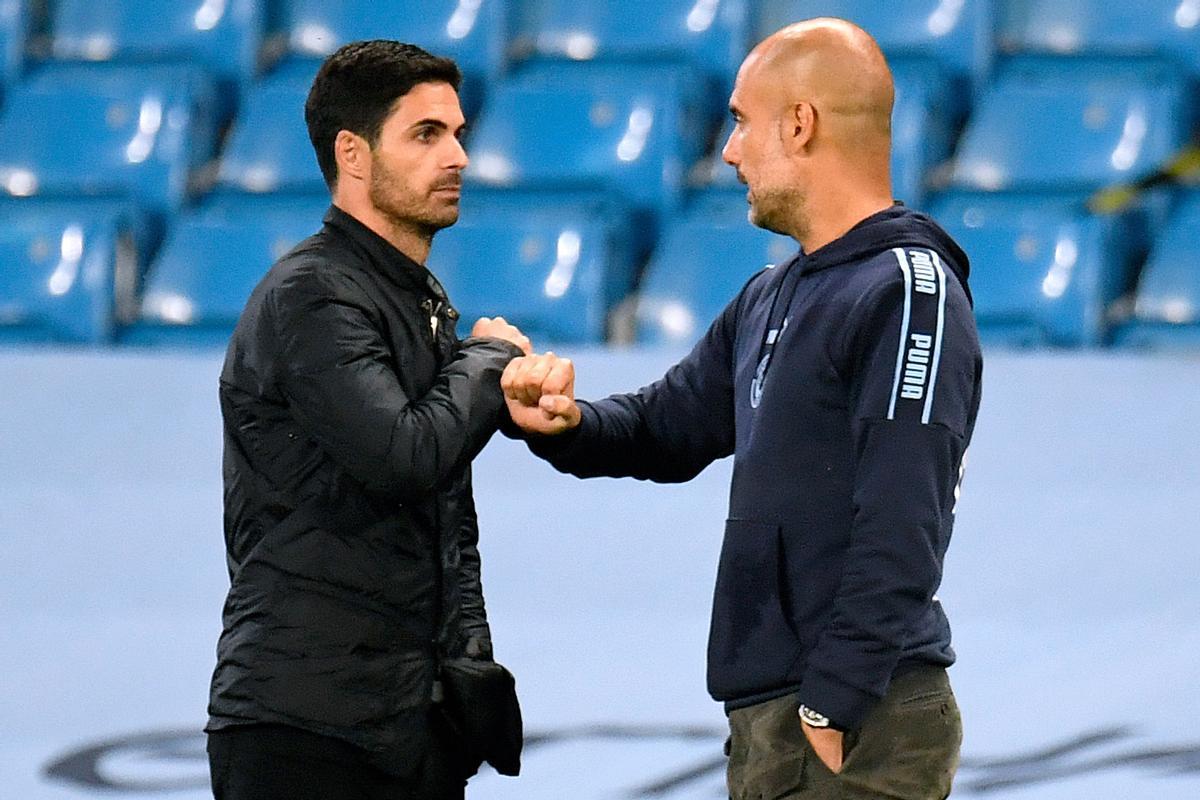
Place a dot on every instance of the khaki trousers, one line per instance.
(907, 749)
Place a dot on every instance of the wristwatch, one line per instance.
(812, 718)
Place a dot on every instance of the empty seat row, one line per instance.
(237, 38)
(1044, 270)
(633, 132)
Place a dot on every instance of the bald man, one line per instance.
(845, 382)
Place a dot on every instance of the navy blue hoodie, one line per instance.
(846, 384)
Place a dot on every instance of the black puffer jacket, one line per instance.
(350, 426)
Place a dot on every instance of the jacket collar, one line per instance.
(382, 256)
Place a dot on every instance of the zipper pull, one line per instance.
(429, 308)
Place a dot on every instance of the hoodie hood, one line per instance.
(897, 226)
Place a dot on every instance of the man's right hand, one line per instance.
(540, 393)
(498, 328)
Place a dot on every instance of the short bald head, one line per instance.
(813, 103)
(834, 65)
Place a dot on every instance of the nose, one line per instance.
(729, 153)
(457, 157)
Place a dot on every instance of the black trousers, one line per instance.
(278, 762)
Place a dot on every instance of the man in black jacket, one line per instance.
(845, 382)
(352, 413)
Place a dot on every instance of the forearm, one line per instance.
(892, 568)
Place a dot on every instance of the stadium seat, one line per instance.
(472, 32)
(224, 37)
(627, 131)
(953, 37)
(212, 259)
(67, 270)
(552, 264)
(711, 36)
(14, 28)
(1167, 29)
(706, 255)
(921, 137)
(1166, 312)
(268, 149)
(1043, 270)
(1073, 124)
(108, 130)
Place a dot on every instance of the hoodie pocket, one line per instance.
(752, 646)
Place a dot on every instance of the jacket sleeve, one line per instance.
(915, 379)
(340, 381)
(475, 634)
(668, 431)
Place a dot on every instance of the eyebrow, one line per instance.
(430, 122)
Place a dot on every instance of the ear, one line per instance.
(800, 126)
(352, 154)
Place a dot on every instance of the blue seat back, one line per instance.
(707, 253)
(107, 130)
(955, 35)
(712, 37)
(14, 27)
(1168, 293)
(213, 258)
(1043, 271)
(60, 265)
(474, 34)
(269, 149)
(222, 35)
(1076, 125)
(623, 130)
(922, 132)
(554, 265)
(1161, 28)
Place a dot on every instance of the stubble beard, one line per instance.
(407, 210)
(780, 210)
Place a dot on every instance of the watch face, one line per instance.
(813, 718)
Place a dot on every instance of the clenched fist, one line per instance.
(540, 392)
(499, 328)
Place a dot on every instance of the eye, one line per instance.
(427, 134)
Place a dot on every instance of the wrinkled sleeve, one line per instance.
(667, 432)
(914, 390)
(340, 382)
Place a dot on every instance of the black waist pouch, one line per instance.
(480, 704)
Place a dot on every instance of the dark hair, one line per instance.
(357, 86)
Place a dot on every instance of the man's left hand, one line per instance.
(827, 744)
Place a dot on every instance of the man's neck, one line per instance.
(831, 218)
(406, 239)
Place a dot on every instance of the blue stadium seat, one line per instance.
(212, 259)
(1043, 270)
(554, 264)
(223, 36)
(1166, 312)
(921, 137)
(1158, 28)
(711, 36)
(705, 256)
(14, 28)
(67, 270)
(630, 132)
(472, 32)
(956, 37)
(1073, 124)
(268, 149)
(108, 130)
